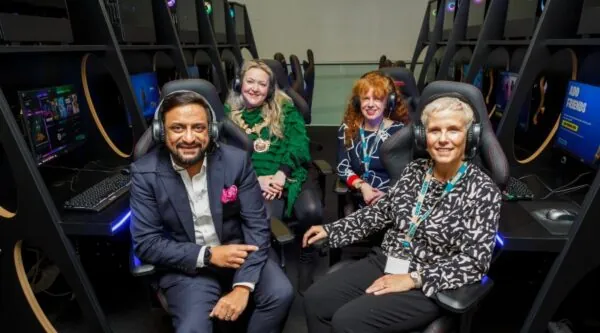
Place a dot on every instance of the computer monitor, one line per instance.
(506, 85)
(432, 17)
(193, 72)
(589, 23)
(240, 22)
(521, 17)
(147, 93)
(52, 121)
(217, 18)
(478, 82)
(449, 11)
(477, 10)
(578, 133)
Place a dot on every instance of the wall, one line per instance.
(337, 30)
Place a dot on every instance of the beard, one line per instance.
(186, 161)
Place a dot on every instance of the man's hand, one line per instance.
(231, 256)
(231, 306)
(314, 234)
(392, 283)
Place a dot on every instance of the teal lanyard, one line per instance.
(367, 155)
(417, 218)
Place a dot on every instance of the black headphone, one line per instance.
(473, 133)
(391, 98)
(236, 84)
(158, 126)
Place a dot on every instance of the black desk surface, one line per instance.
(111, 220)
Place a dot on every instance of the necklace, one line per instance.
(260, 145)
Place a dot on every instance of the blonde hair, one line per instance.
(451, 104)
(271, 111)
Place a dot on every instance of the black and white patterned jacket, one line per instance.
(453, 247)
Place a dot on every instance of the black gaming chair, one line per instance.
(297, 77)
(408, 86)
(229, 133)
(284, 84)
(309, 77)
(459, 305)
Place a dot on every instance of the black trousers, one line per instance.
(338, 302)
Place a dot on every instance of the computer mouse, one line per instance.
(560, 215)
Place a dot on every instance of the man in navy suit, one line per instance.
(198, 213)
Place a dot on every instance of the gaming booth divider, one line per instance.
(76, 93)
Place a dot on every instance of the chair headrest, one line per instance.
(202, 87)
(408, 84)
(490, 155)
(280, 75)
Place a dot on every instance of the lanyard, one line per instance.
(417, 218)
(367, 156)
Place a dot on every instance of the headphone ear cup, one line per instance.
(236, 85)
(420, 139)
(157, 131)
(356, 103)
(473, 137)
(214, 132)
(391, 104)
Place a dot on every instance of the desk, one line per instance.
(107, 222)
(521, 232)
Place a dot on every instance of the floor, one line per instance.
(517, 278)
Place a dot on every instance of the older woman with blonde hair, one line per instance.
(441, 218)
(281, 150)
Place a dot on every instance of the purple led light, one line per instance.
(171, 3)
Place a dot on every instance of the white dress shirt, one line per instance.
(204, 228)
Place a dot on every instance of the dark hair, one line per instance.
(183, 98)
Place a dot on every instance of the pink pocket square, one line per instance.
(229, 194)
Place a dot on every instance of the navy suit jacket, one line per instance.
(162, 225)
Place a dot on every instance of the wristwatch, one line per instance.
(207, 255)
(416, 277)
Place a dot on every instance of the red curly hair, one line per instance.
(380, 83)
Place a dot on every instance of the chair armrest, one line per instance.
(281, 231)
(323, 167)
(464, 298)
(340, 187)
(138, 268)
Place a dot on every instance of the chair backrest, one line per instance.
(297, 78)
(284, 84)
(281, 58)
(399, 150)
(309, 76)
(408, 86)
(229, 132)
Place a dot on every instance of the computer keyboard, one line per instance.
(517, 190)
(100, 195)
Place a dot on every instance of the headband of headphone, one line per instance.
(473, 132)
(236, 85)
(392, 97)
(158, 127)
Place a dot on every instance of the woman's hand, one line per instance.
(314, 234)
(270, 187)
(370, 194)
(378, 195)
(391, 283)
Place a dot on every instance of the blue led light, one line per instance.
(231, 12)
(120, 222)
(499, 240)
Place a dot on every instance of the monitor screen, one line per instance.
(476, 13)
(506, 85)
(432, 14)
(578, 131)
(137, 13)
(478, 82)
(450, 8)
(52, 121)
(521, 9)
(218, 17)
(193, 72)
(240, 22)
(147, 93)
(186, 14)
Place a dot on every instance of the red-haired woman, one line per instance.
(375, 111)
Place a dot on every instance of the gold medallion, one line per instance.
(261, 146)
